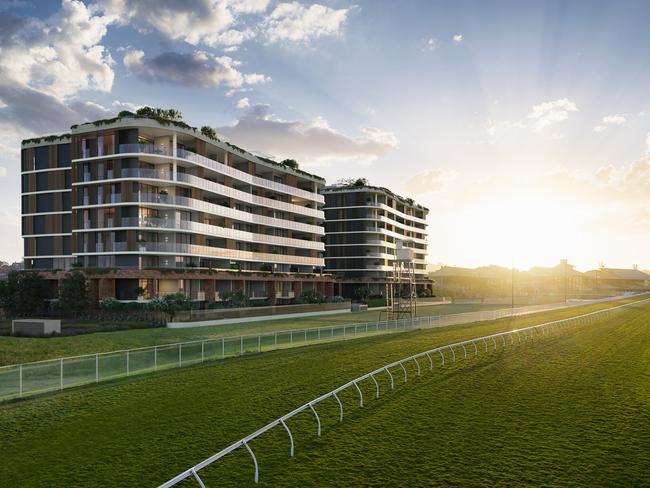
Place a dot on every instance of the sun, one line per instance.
(520, 230)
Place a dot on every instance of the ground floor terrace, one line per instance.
(203, 286)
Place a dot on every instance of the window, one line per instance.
(63, 155)
(41, 181)
(44, 203)
(41, 156)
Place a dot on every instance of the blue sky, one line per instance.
(523, 126)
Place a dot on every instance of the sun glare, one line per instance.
(522, 231)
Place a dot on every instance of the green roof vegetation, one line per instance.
(345, 184)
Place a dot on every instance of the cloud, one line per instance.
(550, 113)
(458, 38)
(430, 45)
(540, 117)
(60, 55)
(297, 23)
(199, 69)
(610, 120)
(243, 103)
(310, 142)
(430, 181)
(193, 21)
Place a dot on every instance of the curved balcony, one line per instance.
(386, 220)
(192, 157)
(383, 206)
(206, 229)
(167, 201)
(379, 230)
(205, 251)
(217, 188)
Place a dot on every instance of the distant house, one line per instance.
(619, 278)
(472, 282)
(562, 278)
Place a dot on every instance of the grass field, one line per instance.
(15, 350)
(568, 411)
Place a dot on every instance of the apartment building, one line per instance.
(150, 206)
(363, 225)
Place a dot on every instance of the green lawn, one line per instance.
(14, 350)
(569, 411)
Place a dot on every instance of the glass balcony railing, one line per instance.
(210, 230)
(216, 166)
(208, 251)
(218, 189)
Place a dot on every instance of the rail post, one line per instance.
(20, 380)
(127, 362)
(180, 355)
(61, 378)
(97, 368)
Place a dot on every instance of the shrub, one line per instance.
(235, 299)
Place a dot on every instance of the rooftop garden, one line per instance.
(175, 117)
(347, 183)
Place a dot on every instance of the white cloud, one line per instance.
(430, 180)
(198, 68)
(458, 38)
(610, 120)
(243, 103)
(550, 113)
(59, 55)
(295, 22)
(311, 142)
(429, 45)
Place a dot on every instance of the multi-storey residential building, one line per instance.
(159, 207)
(363, 225)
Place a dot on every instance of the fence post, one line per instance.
(180, 356)
(223, 347)
(275, 338)
(202, 350)
(155, 358)
(20, 380)
(61, 379)
(127, 362)
(305, 336)
(241, 345)
(97, 368)
(259, 342)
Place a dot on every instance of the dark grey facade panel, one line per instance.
(44, 246)
(45, 202)
(63, 156)
(41, 181)
(39, 224)
(42, 157)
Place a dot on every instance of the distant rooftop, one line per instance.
(342, 187)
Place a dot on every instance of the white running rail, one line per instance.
(485, 343)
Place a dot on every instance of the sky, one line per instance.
(523, 126)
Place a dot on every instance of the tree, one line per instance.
(160, 113)
(362, 293)
(208, 131)
(353, 182)
(290, 163)
(23, 294)
(73, 292)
